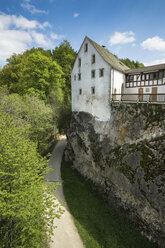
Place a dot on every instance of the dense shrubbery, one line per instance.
(27, 208)
(30, 112)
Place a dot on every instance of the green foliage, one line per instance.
(65, 56)
(33, 72)
(27, 209)
(30, 113)
(64, 118)
(131, 63)
(98, 224)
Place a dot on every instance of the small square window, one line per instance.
(79, 62)
(80, 91)
(93, 59)
(79, 76)
(93, 73)
(101, 72)
(86, 47)
(93, 90)
(75, 77)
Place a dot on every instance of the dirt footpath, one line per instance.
(65, 235)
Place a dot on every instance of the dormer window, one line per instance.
(86, 47)
(80, 91)
(79, 62)
(93, 59)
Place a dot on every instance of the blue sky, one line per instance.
(128, 28)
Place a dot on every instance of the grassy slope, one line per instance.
(98, 225)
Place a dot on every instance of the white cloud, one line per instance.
(41, 40)
(17, 34)
(154, 44)
(31, 8)
(56, 36)
(21, 22)
(13, 41)
(122, 38)
(75, 15)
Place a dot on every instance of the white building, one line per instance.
(98, 77)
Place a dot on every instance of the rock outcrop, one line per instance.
(125, 160)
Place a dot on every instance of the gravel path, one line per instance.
(65, 235)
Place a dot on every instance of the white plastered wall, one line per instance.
(96, 104)
(118, 78)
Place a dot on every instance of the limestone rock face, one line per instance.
(125, 159)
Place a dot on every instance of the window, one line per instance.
(79, 62)
(93, 90)
(151, 76)
(79, 76)
(143, 76)
(155, 75)
(127, 78)
(86, 47)
(161, 74)
(93, 59)
(147, 76)
(80, 91)
(147, 90)
(75, 77)
(131, 78)
(101, 72)
(93, 73)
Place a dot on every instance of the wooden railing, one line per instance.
(146, 98)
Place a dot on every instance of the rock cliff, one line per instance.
(125, 160)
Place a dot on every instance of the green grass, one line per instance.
(98, 225)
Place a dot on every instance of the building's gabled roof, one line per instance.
(151, 68)
(109, 57)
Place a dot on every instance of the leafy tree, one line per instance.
(33, 72)
(65, 56)
(131, 63)
(30, 113)
(27, 209)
